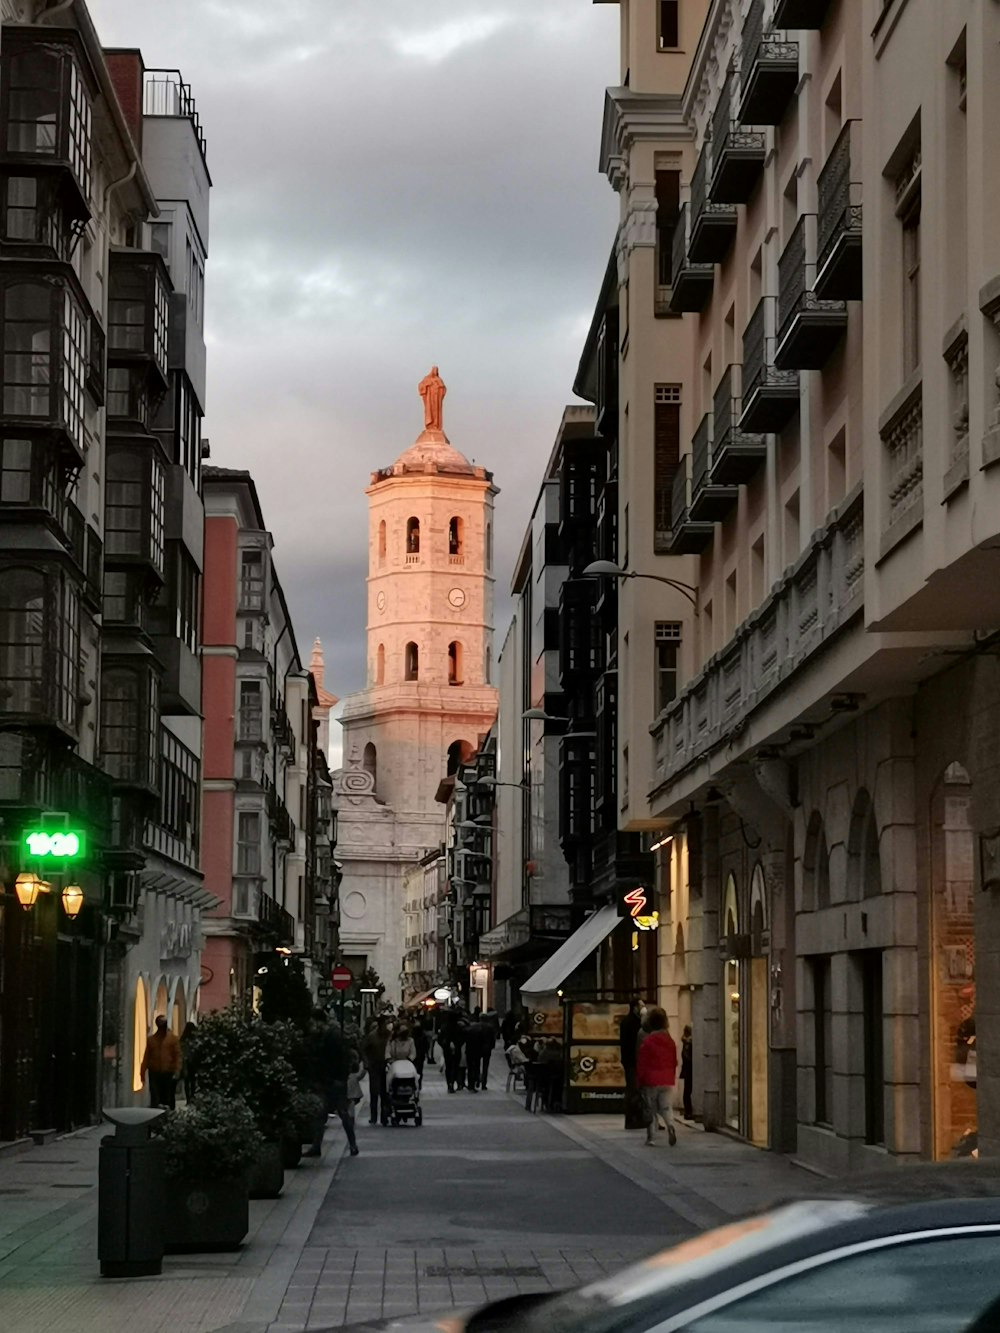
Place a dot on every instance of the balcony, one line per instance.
(713, 226)
(770, 70)
(32, 490)
(800, 15)
(902, 433)
(580, 639)
(275, 922)
(174, 832)
(691, 284)
(770, 395)
(736, 457)
(808, 328)
(38, 777)
(96, 362)
(737, 154)
(813, 602)
(138, 312)
(710, 503)
(93, 590)
(838, 264)
(686, 536)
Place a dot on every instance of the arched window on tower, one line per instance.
(413, 536)
(489, 546)
(456, 540)
(369, 761)
(458, 753)
(489, 666)
(455, 676)
(380, 664)
(381, 543)
(412, 664)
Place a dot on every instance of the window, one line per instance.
(380, 664)
(48, 110)
(27, 350)
(159, 240)
(668, 642)
(489, 666)
(133, 512)
(369, 761)
(455, 675)
(412, 662)
(248, 843)
(252, 579)
(669, 34)
(908, 188)
(668, 206)
(127, 310)
(822, 1041)
(381, 543)
(184, 584)
(188, 426)
(31, 213)
(22, 641)
(27, 475)
(946, 1283)
(413, 536)
(127, 394)
(123, 602)
(130, 718)
(666, 457)
(251, 718)
(456, 536)
(489, 546)
(178, 815)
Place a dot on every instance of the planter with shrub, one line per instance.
(210, 1146)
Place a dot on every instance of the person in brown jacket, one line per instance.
(162, 1061)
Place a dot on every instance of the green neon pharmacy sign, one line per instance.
(63, 845)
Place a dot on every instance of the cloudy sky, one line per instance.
(395, 184)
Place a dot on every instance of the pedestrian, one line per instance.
(161, 1060)
(401, 1045)
(628, 1044)
(656, 1074)
(475, 1046)
(452, 1039)
(510, 1028)
(337, 1062)
(686, 1072)
(420, 1042)
(373, 1053)
(492, 1024)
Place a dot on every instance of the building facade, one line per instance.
(268, 795)
(429, 696)
(100, 537)
(821, 776)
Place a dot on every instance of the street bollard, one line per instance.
(130, 1197)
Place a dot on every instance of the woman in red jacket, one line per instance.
(656, 1074)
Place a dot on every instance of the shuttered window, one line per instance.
(666, 456)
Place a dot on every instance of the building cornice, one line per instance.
(710, 59)
(631, 118)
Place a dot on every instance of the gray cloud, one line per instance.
(395, 185)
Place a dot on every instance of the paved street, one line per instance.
(482, 1201)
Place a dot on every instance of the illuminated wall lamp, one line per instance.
(72, 900)
(27, 886)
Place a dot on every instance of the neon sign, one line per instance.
(636, 902)
(63, 845)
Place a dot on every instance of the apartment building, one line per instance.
(268, 794)
(98, 647)
(824, 777)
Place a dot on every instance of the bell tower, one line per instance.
(430, 615)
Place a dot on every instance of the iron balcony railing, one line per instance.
(753, 33)
(722, 117)
(678, 251)
(164, 93)
(839, 197)
(701, 453)
(699, 184)
(679, 494)
(754, 349)
(722, 406)
(792, 277)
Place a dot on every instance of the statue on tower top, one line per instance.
(432, 390)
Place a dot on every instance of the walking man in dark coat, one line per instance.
(687, 1072)
(335, 1068)
(628, 1041)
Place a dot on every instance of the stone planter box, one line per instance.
(267, 1175)
(205, 1215)
(315, 1132)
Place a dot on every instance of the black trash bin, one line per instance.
(130, 1196)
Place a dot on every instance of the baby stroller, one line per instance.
(403, 1086)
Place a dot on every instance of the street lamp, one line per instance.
(607, 569)
(27, 886)
(72, 900)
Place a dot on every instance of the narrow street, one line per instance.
(484, 1200)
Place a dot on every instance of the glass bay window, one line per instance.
(43, 328)
(39, 644)
(133, 514)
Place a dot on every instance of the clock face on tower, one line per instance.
(380, 601)
(456, 598)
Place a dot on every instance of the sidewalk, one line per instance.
(49, 1274)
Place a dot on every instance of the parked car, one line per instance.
(914, 1250)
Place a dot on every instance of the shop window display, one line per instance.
(954, 968)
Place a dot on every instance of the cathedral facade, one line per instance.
(430, 694)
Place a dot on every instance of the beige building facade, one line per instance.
(826, 772)
(429, 696)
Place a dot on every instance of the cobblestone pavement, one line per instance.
(483, 1201)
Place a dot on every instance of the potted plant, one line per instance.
(209, 1147)
(237, 1057)
(308, 1124)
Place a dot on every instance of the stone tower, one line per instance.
(429, 695)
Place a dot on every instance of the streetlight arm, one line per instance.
(685, 589)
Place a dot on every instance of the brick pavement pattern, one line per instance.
(483, 1201)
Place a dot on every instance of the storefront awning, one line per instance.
(568, 957)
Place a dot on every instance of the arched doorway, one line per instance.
(178, 1014)
(730, 1007)
(953, 951)
(759, 1007)
(369, 762)
(140, 1031)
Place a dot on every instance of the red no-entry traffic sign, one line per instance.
(341, 977)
